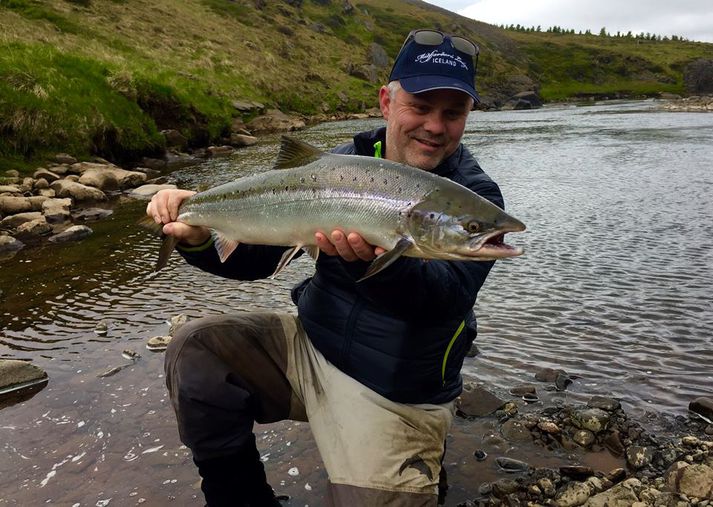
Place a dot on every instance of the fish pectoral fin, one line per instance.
(285, 259)
(387, 258)
(312, 251)
(295, 153)
(224, 246)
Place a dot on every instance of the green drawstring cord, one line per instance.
(377, 149)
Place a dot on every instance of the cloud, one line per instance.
(692, 19)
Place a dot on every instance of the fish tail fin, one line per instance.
(167, 245)
(295, 153)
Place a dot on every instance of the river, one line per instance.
(614, 287)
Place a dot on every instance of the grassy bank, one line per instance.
(103, 77)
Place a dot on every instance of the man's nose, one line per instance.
(435, 123)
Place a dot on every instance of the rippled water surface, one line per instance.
(615, 287)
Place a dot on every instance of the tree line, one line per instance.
(602, 33)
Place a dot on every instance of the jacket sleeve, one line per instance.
(247, 262)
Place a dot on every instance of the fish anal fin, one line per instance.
(224, 246)
(295, 153)
(312, 251)
(285, 259)
(387, 258)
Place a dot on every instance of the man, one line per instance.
(373, 365)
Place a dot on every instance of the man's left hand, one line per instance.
(350, 247)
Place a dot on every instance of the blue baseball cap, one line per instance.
(429, 60)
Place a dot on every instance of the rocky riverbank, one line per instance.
(693, 104)
(671, 470)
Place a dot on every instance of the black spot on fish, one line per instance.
(371, 180)
(418, 185)
(431, 216)
(287, 188)
(386, 182)
(313, 176)
(354, 178)
(302, 180)
(341, 177)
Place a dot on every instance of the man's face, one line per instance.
(422, 130)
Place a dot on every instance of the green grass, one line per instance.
(103, 77)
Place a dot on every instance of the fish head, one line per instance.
(464, 226)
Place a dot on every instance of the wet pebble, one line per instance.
(480, 455)
(101, 329)
(158, 343)
(511, 465)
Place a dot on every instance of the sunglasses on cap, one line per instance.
(436, 38)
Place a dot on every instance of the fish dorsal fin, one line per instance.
(295, 153)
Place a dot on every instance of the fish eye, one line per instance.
(472, 227)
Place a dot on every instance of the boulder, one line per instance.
(77, 191)
(638, 456)
(219, 151)
(41, 184)
(377, 56)
(11, 205)
(16, 374)
(174, 138)
(57, 210)
(242, 140)
(177, 160)
(690, 480)
(592, 419)
(33, 228)
(698, 76)
(275, 121)
(10, 189)
(621, 494)
(91, 214)
(73, 233)
(573, 494)
(46, 192)
(702, 406)
(14, 221)
(45, 174)
(63, 158)
(111, 178)
(477, 402)
(10, 244)
(147, 191)
(36, 201)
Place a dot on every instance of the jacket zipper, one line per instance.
(351, 321)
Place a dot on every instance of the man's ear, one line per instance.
(384, 101)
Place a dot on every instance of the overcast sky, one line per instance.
(692, 19)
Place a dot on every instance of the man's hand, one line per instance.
(163, 208)
(351, 248)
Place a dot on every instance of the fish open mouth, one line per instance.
(495, 247)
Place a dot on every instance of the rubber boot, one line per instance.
(236, 480)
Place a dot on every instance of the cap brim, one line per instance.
(420, 84)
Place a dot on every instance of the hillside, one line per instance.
(105, 76)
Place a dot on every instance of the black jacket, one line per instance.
(404, 332)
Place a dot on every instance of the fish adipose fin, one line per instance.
(294, 153)
(224, 246)
(387, 258)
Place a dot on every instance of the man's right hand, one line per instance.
(163, 208)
